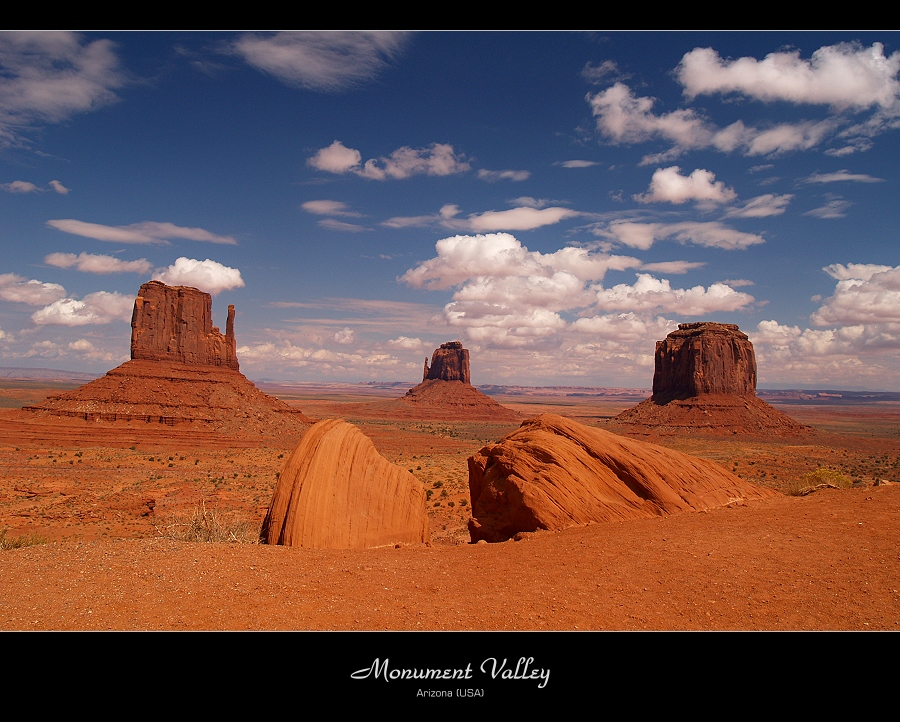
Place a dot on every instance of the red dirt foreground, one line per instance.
(338, 492)
(554, 473)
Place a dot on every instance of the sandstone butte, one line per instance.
(182, 370)
(704, 381)
(336, 491)
(554, 473)
(446, 390)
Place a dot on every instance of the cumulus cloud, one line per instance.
(323, 61)
(650, 293)
(207, 275)
(406, 343)
(711, 234)
(34, 293)
(95, 308)
(865, 294)
(669, 186)
(846, 75)
(20, 187)
(624, 118)
(147, 232)
(92, 263)
(762, 206)
(50, 76)
(328, 208)
(439, 159)
(345, 336)
(842, 175)
(495, 175)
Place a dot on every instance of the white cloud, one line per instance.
(20, 187)
(50, 76)
(495, 175)
(677, 267)
(711, 234)
(409, 344)
(147, 232)
(865, 294)
(649, 293)
(333, 224)
(624, 118)
(601, 72)
(836, 208)
(519, 219)
(578, 163)
(91, 263)
(842, 175)
(328, 208)
(846, 75)
(35, 293)
(324, 61)
(59, 187)
(207, 275)
(669, 186)
(345, 336)
(95, 308)
(438, 159)
(762, 206)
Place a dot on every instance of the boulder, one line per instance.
(554, 473)
(704, 358)
(336, 491)
(174, 323)
(450, 362)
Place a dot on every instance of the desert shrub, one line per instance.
(818, 479)
(25, 540)
(204, 524)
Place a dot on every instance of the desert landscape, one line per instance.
(150, 519)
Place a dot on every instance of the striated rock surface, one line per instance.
(182, 371)
(553, 473)
(450, 362)
(174, 323)
(704, 381)
(704, 358)
(336, 491)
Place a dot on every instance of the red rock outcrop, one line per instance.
(450, 362)
(174, 323)
(182, 371)
(553, 473)
(704, 381)
(446, 391)
(337, 492)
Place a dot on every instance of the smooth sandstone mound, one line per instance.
(337, 492)
(554, 473)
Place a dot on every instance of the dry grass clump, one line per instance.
(818, 479)
(209, 525)
(25, 540)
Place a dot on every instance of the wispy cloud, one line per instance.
(322, 60)
(842, 175)
(147, 232)
(497, 175)
(712, 234)
(94, 263)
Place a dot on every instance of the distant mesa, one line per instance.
(182, 370)
(446, 390)
(554, 473)
(705, 382)
(337, 492)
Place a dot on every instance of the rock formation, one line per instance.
(182, 370)
(553, 473)
(336, 491)
(450, 362)
(446, 391)
(174, 323)
(705, 381)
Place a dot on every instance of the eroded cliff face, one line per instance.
(174, 323)
(450, 362)
(704, 358)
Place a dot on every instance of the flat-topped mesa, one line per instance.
(174, 323)
(448, 363)
(704, 358)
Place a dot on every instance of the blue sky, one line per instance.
(557, 201)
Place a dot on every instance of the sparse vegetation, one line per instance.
(819, 479)
(24, 540)
(209, 525)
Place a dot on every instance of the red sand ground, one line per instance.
(830, 560)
